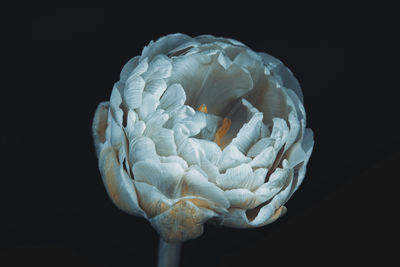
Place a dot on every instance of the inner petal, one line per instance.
(206, 81)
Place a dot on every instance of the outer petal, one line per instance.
(240, 198)
(99, 126)
(119, 185)
(164, 44)
(282, 73)
(307, 145)
(261, 215)
(238, 218)
(128, 68)
(151, 200)
(160, 67)
(269, 98)
(183, 221)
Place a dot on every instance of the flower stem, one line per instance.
(168, 254)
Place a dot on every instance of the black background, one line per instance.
(54, 208)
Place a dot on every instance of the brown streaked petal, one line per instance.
(99, 126)
(183, 221)
(119, 186)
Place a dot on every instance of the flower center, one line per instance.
(203, 108)
(222, 130)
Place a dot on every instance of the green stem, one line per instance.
(168, 254)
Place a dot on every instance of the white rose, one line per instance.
(201, 129)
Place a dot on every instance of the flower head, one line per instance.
(202, 129)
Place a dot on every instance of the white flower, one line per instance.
(201, 129)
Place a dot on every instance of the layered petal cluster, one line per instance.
(202, 129)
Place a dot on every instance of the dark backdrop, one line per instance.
(54, 208)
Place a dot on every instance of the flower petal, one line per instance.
(159, 67)
(259, 176)
(131, 119)
(265, 159)
(240, 197)
(269, 99)
(294, 131)
(268, 190)
(137, 130)
(142, 148)
(115, 99)
(156, 87)
(181, 133)
(307, 145)
(174, 159)
(173, 98)
(114, 130)
(191, 151)
(133, 92)
(280, 132)
(212, 151)
(195, 184)
(149, 105)
(165, 142)
(208, 38)
(99, 126)
(194, 121)
(249, 133)
(183, 221)
(211, 127)
(224, 61)
(154, 122)
(151, 200)
(225, 86)
(258, 147)
(118, 184)
(141, 68)
(183, 49)
(165, 44)
(128, 68)
(211, 171)
(164, 176)
(282, 73)
(238, 217)
(231, 157)
(267, 211)
(296, 155)
(236, 177)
